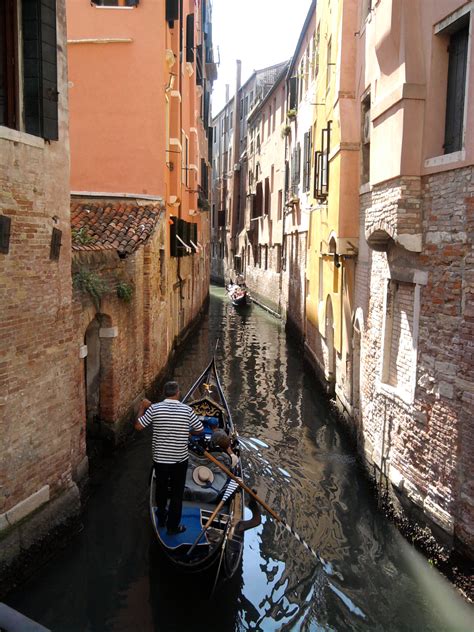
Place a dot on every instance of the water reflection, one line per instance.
(112, 577)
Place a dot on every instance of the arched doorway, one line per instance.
(92, 372)
(356, 371)
(329, 335)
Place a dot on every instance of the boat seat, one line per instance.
(206, 493)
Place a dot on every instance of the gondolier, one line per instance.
(172, 423)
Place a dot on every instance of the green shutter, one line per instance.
(40, 68)
(190, 37)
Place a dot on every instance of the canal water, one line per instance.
(111, 577)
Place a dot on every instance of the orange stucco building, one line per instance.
(140, 77)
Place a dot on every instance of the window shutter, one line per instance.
(458, 45)
(293, 93)
(31, 66)
(40, 68)
(5, 226)
(190, 37)
(172, 12)
(173, 240)
(55, 244)
(49, 70)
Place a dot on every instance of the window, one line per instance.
(55, 246)
(282, 105)
(267, 197)
(456, 89)
(266, 257)
(329, 64)
(117, 3)
(263, 126)
(316, 53)
(365, 141)
(274, 114)
(399, 336)
(295, 168)
(307, 161)
(5, 229)
(280, 204)
(246, 105)
(269, 121)
(190, 37)
(272, 177)
(321, 171)
(34, 107)
(278, 258)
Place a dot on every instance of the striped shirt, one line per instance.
(172, 422)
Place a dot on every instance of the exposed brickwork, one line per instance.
(425, 444)
(395, 212)
(41, 397)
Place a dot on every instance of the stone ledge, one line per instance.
(24, 507)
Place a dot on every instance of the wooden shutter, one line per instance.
(55, 244)
(40, 68)
(173, 240)
(5, 226)
(190, 37)
(8, 64)
(293, 93)
(172, 12)
(458, 45)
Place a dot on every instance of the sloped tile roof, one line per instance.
(112, 225)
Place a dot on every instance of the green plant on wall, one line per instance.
(291, 114)
(89, 283)
(80, 236)
(124, 291)
(285, 130)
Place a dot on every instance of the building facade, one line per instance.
(230, 174)
(332, 246)
(142, 142)
(413, 337)
(376, 235)
(43, 453)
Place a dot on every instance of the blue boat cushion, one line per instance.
(191, 518)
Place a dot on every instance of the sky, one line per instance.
(258, 32)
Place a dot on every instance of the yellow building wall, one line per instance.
(338, 217)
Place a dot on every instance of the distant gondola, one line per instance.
(206, 486)
(238, 295)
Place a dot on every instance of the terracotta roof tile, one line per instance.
(119, 226)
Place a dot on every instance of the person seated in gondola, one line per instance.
(221, 439)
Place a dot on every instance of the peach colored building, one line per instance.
(413, 331)
(140, 76)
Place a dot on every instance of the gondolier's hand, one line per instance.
(234, 460)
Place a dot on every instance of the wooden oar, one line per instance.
(267, 508)
(206, 526)
(243, 485)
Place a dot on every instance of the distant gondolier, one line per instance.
(172, 422)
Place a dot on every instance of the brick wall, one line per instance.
(423, 440)
(41, 397)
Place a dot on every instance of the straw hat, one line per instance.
(203, 476)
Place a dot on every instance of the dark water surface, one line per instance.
(112, 578)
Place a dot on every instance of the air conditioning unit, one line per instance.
(366, 127)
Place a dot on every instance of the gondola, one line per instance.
(238, 295)
(206, 486)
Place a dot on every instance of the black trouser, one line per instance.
(172, 475)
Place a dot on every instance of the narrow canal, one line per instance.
(111, 577)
